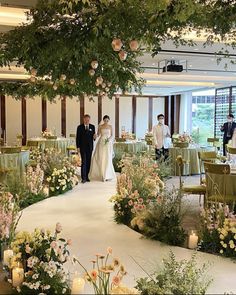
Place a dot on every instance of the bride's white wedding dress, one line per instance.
(102, 167)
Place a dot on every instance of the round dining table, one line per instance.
(14, 161)
(59, 144)
(131, 147)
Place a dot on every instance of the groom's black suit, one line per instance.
(84, 141)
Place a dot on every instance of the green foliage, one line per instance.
(163, 220)
(63, 37)
(177, 278)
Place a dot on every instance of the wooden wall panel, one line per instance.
(82, 110)
(134, 114)
(3, 116)
(158, 108)
(63, 117)
(44, 115)
(24, 120)
(117, 116)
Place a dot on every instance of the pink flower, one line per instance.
(58, 228)
(109, 250)
(116, 280)
(130, 203)
(94, 274)
(69, 242)
(53, 245)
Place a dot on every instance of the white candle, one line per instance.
(193, 241)
(7, 255)
(17, 276)
(78, 286)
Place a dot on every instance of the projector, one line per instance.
(173, 68)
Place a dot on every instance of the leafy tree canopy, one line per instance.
(90, 47)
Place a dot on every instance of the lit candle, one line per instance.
(7, 255)
(17, 276)
(78, 286)
(193, 241)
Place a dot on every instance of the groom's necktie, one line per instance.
(86, 127)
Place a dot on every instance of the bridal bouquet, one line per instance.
(107, 140)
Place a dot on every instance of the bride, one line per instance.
(102, 167)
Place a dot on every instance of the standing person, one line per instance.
(102, 168)
(160, 133)
(85, 137)
(228, 129)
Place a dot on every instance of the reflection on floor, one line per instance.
(87, 218)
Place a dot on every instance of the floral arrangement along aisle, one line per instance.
(137, 186)
(106, 275)
(218, 231)
(42, 255)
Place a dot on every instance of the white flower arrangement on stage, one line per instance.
(47, 133)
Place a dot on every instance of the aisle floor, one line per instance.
(87, 218)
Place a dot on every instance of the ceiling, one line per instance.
(201, 70)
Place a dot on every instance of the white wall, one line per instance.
(158, 108)
(72, 115)
(142, 116)
(13, 119)
(34, 117)
(54, 116)
(126, 113)
(108, 108)
(185, 123)
(91, 108)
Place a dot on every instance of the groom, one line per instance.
(84, 142)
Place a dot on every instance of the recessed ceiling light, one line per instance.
(153, 64)
(196, 49)
(190, 66)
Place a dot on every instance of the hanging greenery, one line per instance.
(90, 47)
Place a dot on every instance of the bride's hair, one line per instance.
(106, 117)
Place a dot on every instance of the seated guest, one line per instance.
(160, 133)
(228, 129)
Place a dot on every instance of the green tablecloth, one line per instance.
(59, 143)
(190, 156)
(216, 182)
(130, 147)
(14, 161)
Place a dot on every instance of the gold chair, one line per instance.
(209, 156)
(212, 140)
(231, 150)
(71, 149)
(189, 189)
(216, 191)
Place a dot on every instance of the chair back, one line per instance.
(180, 163)
(216, 186)
(217, 168)
(208, 156)
(231, 150)
(212, 139)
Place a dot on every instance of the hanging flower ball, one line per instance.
(54, 87)
(33, 72)
(122, 55)
(94, 64)
(63, 77)
(99, 80)
(134, 45)
(72, 81)
(116, 44)
(97, 83)
(91, 72)
(104, 85)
